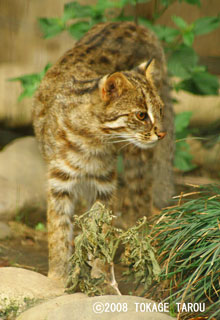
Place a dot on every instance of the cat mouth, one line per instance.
(146, 145)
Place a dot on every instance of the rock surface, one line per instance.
(20, 287)
(22, 178)
(198, 105)
(5, 231)
(75, 307)
(49, 306)
(207, 158)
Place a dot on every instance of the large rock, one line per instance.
(22, 178)
(20, 287)
(75, 308)
(205, 109)
(207, 158)
(47, 307)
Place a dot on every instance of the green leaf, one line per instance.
(98, 10)
(147, 23)
(165, 33)
(180, 22)
(182, 121)
(165, 2)
(40, 227)
(46, 68)
(78, 29)
(206, 24)
(51, 26)
(188, 38)
(123, 18)
(206, 83)
(73, 10)
(182, 61)
(183, 158)
(103, 5)
(202, 83)
(193, 2)
(30, 82)
(125, 2)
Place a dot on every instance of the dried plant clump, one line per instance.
(94, 258)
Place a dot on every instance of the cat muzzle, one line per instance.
(161, 135)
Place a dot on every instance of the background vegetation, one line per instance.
(186, 234)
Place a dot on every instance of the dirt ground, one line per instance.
(27, 248)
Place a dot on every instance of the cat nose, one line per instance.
(161, 135)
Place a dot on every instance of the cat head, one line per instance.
(133, 110)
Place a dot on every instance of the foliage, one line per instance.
(182, 59)
(183, 157)
(139, 256)
(30, 82)
(84, 16)
(178, 42)
(40, 226)
(11, 308)
(95, 255)
(187, 237)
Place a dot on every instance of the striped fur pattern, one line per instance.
(102, 96)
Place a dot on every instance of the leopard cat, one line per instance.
(105, 95)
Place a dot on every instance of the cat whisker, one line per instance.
(119, 141)
(127, 144)
(125, 139)
(114, 136)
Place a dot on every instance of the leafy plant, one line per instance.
(183, 158)
(187, 237)
(95, 255)
(139, 256)
(30, 82)
(84, 17)
(40, 226)
(182, 58)
(178, 42)
(10, 308)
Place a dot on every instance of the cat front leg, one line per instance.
(135, 185)
(59, 223)
(105, 186)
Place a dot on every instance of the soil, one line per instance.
(26, 249)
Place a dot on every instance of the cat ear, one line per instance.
(112, 86)
(147, 68)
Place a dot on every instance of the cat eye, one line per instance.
(142, 115)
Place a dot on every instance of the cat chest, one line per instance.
(86, 166)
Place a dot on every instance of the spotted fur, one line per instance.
(101, 97)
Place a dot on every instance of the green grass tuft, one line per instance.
(188, 240)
